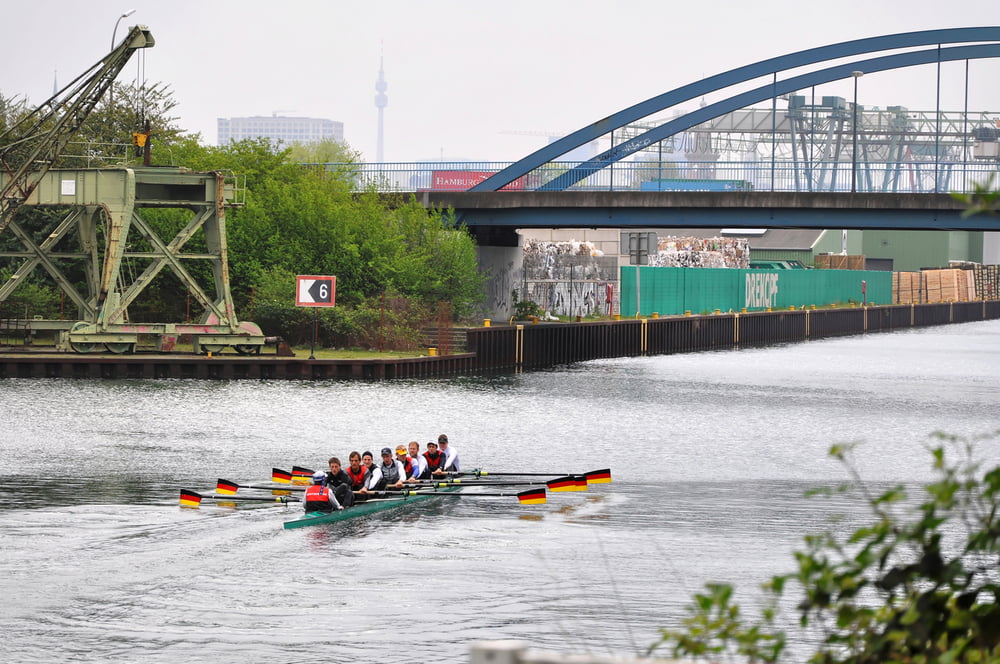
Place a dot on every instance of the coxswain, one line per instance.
(433, 461)
(318, 497)
(340, 483)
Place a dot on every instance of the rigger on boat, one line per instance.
(467, 484)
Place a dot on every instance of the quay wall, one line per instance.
(505, 348)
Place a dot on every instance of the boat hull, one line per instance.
(361, 509)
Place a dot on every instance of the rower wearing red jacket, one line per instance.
(358, 473)
(433, 461)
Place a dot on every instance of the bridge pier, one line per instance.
(501, 259)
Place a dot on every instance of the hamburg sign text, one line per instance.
(314, 291)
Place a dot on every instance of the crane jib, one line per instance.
(35, 142)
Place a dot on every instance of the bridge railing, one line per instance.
(918, 176)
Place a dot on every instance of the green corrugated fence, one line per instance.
(676, 290)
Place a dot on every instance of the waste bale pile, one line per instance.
(731, 252)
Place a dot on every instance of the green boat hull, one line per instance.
(372, 506)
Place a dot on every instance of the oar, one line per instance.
(193, 498)
(602, 476)
(301, 475)
(227, 487)
(529, 497)
(568, 483)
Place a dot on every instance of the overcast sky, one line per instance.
(467, 79)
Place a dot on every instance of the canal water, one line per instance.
(711, 454)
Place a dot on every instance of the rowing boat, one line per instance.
(363, 508)
(281, 481)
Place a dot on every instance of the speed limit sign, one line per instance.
(314, 291)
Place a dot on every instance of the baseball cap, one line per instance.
(386, 450)
(431, 442)
(442, 438)
(400, 450)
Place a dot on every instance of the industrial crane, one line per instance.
(114, 197)
(30, 147)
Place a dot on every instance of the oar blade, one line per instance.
(602, 476)
(568, 483)
(301, 475)
(532, 497)
(281, 476)
(226, 487)
(190, 498)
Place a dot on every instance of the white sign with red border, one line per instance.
(315, 291)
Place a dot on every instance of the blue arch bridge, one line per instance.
(780, 143)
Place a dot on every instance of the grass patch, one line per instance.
(355, 353)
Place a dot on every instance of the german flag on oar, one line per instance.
(281, 476)
(568, 483)
(190, 498)
(599, 476)
(532, 497)
(301, 475)
(226, 487)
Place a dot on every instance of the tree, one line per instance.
(984, 199)
(919, 583)
(106, 138)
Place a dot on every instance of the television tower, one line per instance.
(381, 101)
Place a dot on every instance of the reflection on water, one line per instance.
(711, 454)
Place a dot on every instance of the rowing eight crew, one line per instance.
(341, 487)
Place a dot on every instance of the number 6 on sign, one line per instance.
(314, 291)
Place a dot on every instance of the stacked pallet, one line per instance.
(987, 281)
(908, 288)
(840, 262)
(949, 285)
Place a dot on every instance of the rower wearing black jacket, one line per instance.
(340, 483)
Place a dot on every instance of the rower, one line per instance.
(433, 461)
(450, 454)
(340, 483)
(410, 466)
(368, 461)
(357, 473)
(318, 497)
(418, 459)
(391, 471)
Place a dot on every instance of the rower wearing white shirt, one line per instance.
(450, 454)
(418, 459)
(392, 473)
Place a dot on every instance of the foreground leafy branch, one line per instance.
(918, 583)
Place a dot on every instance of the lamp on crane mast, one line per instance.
(115, 31)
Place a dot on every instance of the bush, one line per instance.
(918, 584)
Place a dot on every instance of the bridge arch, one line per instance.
(970, 49)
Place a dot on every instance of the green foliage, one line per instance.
(919, 583)
(106, 137)
(323, 152)
(32, 298)
(985, 199)
(524, 309)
